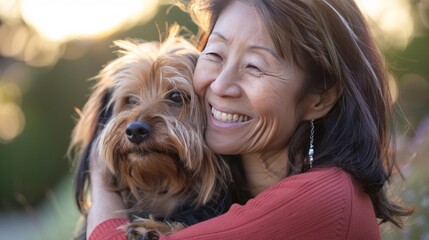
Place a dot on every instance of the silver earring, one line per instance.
(311, 149)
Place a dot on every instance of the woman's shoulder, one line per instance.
(327, 173)
(324, 180)
(330, 185)
(328, 181)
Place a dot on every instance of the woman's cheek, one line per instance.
(196, 80)
(204, 74)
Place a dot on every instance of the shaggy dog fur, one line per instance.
(146, 123)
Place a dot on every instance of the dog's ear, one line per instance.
(90, 116)
(96, 113)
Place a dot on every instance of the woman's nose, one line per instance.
(226, 83)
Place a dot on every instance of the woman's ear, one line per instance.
(319, 104)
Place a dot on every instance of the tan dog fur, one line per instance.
(172, 166)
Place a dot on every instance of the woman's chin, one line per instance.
(221, 144)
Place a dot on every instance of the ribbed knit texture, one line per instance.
(109, 230)
(322, 204)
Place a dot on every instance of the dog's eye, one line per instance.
(176, 97)
(132, 100)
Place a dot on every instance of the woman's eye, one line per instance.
(253, 67)
(176, 97)
(213, 56)
(254, 71)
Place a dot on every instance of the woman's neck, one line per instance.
(262, 171)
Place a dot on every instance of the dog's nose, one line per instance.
(137, 131)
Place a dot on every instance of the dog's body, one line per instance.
(146, 123)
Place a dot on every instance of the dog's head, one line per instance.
(147, 124)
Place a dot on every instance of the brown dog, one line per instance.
(147, 124)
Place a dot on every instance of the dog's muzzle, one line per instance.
(137, 131)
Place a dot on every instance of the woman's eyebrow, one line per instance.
(217, 34)
(266, 49)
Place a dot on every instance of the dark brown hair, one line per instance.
(331, 41)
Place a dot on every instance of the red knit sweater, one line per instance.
(321, 204)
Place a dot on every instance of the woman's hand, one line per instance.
(105, 204)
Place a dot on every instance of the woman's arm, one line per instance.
(322, 204)
(105, 204)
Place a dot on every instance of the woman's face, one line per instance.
(250, 92)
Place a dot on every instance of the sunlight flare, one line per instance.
(391, 19)
(63, 20)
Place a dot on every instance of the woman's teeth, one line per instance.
(228, 117)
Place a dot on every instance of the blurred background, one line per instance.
(50, 48)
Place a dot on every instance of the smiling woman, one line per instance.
(69, 19)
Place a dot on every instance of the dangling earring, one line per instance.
(311, 149)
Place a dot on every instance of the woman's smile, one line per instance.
(228, 117)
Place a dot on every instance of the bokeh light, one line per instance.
(392, 21)
(10, 10)
(62, 20)
(423, 7)
(12, 120)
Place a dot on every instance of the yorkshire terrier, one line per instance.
(147, 124)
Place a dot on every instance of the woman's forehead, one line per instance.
(241, 20)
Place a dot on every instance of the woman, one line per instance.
(297, 90)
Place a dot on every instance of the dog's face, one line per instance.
(147, 142)
(152, 141)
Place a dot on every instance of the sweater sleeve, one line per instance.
(109, 230)
(322, 204)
